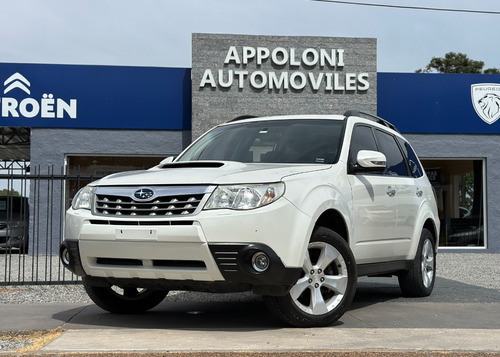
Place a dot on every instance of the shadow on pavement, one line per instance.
(374, 290)
(234, 316)
(378, 303)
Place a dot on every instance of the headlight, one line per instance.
(83, 198)
(242, 197)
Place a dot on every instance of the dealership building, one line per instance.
(95, 120)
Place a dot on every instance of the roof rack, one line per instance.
(242, 117)
(371, 117)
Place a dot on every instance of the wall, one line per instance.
(440, 103)
(307, 86)
(95, 97)
(443, 114)
(50, 147)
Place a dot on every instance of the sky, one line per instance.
(157, 33)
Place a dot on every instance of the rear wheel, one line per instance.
(124, 300)
(326, 287)
(24, 245)
(419, 280)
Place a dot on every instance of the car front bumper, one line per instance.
(12, 237)
(212, 246)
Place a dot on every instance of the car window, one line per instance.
(13, 204)
(413, 162)
(396, 164)
(279, 141)
(13, 208)
(362, 139)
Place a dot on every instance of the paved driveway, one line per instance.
(456, 317)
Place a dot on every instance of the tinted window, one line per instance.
(396, 165)
(277, 141)
(13, 204)
(362, 139)
(13, 208)
(415, 168)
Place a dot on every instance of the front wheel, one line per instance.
(124, 300)
(326, 287)
(419, 280)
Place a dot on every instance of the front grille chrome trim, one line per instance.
(140, 223)
(167, 201)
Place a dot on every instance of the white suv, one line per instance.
(294, 208)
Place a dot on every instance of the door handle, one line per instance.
(390, 191)
(419, 192)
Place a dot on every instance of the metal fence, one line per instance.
(32, 207)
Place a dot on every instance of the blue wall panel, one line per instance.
(119, 97)
(105, 97)
(433, 103)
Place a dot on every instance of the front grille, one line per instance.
(165, 202)
(162, 206)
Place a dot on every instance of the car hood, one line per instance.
(208, 172)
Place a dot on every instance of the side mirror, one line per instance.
(165, 161)
(371, 161)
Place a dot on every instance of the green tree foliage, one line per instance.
(6, 192)
(466, 189)
(456, 63)
(492, 71)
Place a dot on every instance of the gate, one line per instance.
(32, 207)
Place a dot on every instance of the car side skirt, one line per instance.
(387, 268)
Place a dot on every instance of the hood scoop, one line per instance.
(193, 164)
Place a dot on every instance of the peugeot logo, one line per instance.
(144, 194)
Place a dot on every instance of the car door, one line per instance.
(406, 193)
(409, 203)
(374, 204)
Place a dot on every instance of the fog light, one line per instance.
(260, 262)
(65, 257)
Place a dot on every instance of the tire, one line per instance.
(326, 287)
(124, 300)
(419, 280)
(24, 246)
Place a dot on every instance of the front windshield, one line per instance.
(277, 141)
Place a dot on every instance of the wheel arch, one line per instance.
(430, 225)
(333, 220)
(427, 223)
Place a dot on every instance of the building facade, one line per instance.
(95, 120)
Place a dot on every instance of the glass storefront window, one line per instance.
(459, 186)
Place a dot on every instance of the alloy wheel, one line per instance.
(324, 280)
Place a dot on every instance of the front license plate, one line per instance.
(139, 233)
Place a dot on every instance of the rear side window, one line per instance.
(413, 162)
(396, 164)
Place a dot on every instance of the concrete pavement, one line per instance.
(457, 317)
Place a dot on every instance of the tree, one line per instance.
(492, 71)
(456, 63)
(6, 192)
(466, 189)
